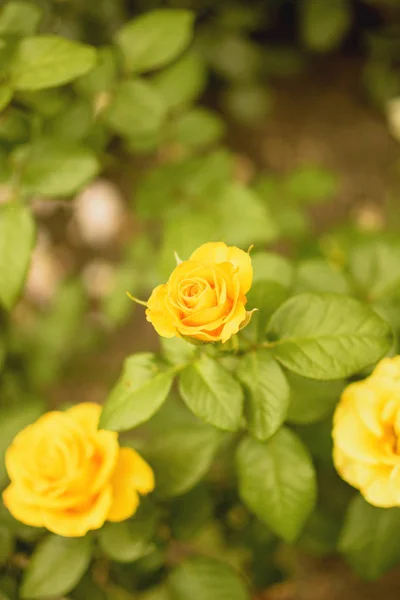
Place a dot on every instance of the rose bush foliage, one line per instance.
(274, 381)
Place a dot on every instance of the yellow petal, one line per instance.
(381, 492)
(234, 322)
(132, 474)
(353, 439)
(87, 414)
(219, 252)
(157, 312)
(29, 514)
(77, 522)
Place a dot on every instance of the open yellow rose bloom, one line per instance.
(205, 296)
(70, 477)
(366, 435)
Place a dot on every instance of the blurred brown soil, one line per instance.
(330, 579)
(321, 118)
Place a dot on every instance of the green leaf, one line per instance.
(14, 126)
(242, 217)
(17, 236)
(2, 354)
(268, 393)
(127, 541)
(248, 103)
(370, 538)
(5, 96)
(323, 25)
(292, 221)
(311, 401)
(136, 109)
(199, 127)
(184, 231)
(8, 587)
(320, 534)
(327, 336)
(181, 456)
(19, 18)
(12, 420)
(73, 123)
(103, 76)
(56, 168)
(234, 56)
(272, 267)
(155, 38)
(318, 275)
(191, 512)
(310, 185)
(206, 579)
(6, 544)
(375, 269)
(138, 394)
(266, 297)
(181, 83)
(177, 351)
(116, 306)
(48, 60)
(87, 589)
(46, 103)
(56, 567)
(212, 394)
(277, 482)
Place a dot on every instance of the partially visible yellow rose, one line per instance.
(366, 435)
(205, 296)
(70, 477)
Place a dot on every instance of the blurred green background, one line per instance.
(277, 124)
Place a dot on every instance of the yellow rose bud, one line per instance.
(366, 435)
(70, 477)
(205, 296)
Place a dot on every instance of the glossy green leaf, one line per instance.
(242, 217)
(327, 336)
(5, 96)
(7, 544)
(199, 127)
(181, 83)
(17, 236)
(370, 538)
(138, 394)
(265, 296)
(318, 275)
(191, 512)
(49, 60)
(375, 269)
(136, 109)
(74, 122)
(155, 38)
(324, 24)
(212, 394)
(248, 103)
(103, 76)
(177, 351)
(181, 456)
(310, 184)
(277, 482)
(310, 400)
(129, 540)
(272, 267)
(56, 567)
(268, 393)
(19, 18)
(206, 579)
(58, 168)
